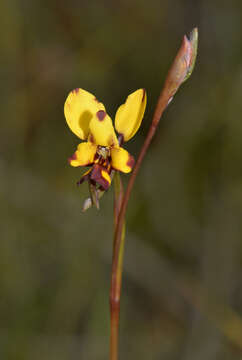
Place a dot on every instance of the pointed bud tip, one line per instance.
(193, 40)
(193, 34)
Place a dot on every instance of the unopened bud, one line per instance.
(183, 64)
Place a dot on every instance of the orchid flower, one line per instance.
(88, 119)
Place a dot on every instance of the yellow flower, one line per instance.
(87, 118)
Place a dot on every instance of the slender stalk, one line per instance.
(179, 72)
(117, 267)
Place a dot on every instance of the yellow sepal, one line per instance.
(79, 108)
(129, 115)
(101, 130)
(84, 155)
(121, 160)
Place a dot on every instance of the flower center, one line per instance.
(103, 152)
(103, 157)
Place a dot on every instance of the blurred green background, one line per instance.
(182, 290)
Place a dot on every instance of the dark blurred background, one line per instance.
(182, 289)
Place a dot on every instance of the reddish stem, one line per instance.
(116, 277)
(180, 70)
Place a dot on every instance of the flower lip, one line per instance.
(100, 176)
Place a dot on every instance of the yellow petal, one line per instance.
(84, 155)
(121, 160)
(79, 108)
(101, 130)
(129, 115)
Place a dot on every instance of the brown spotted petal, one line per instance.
(101, 130)
(121, 160)
(130, 114)
(80, 106)
(84, 155)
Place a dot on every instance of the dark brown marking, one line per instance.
(75, 91)
(73, 157)
(143, 97)
(111, 141)
(96, 156)
(130, 161)
(81, 180)
(91, 139)
(120, 139)
(84, 178)
(87, 164)
(96, 176)
(95, 99)
(101, 115)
